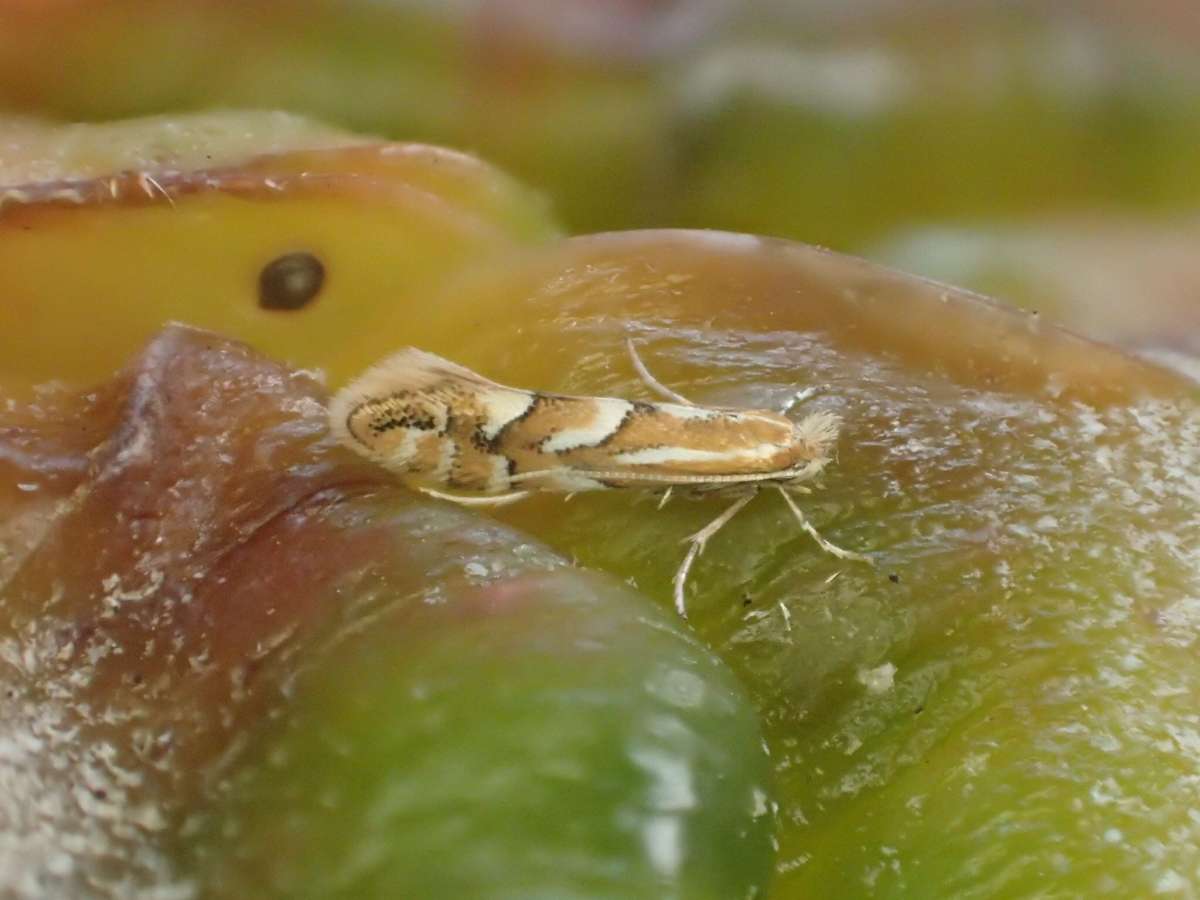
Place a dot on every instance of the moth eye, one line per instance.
(290, 282)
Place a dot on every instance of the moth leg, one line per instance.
(799, 397)
(496, 500)
(650, 381)
(665, 497)
(697, 541)
(825, 545)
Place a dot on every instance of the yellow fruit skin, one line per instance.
(89, 276)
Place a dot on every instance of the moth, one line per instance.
(456, 435)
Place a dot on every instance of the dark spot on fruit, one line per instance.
(894, 578)
(290, 282)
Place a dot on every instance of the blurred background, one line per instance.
(1043, 151)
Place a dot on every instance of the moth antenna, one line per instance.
(494, 500)
(697, 542)
(825, 545)
(799, 397)
(649, 380)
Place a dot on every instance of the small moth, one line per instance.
(456, 435)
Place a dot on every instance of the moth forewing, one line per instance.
(442, 427)
(430, 420)
(441, 424)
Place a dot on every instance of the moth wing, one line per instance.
(413, 370)
(410, 371)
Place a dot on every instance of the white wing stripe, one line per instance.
(498, 480)
(607, 419)
(660, 456)
(502, 407)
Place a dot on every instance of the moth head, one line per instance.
(814, 438)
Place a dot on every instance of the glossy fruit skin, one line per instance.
(1001, 706)
(561, 744)
(988, 720)
(263, 668)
